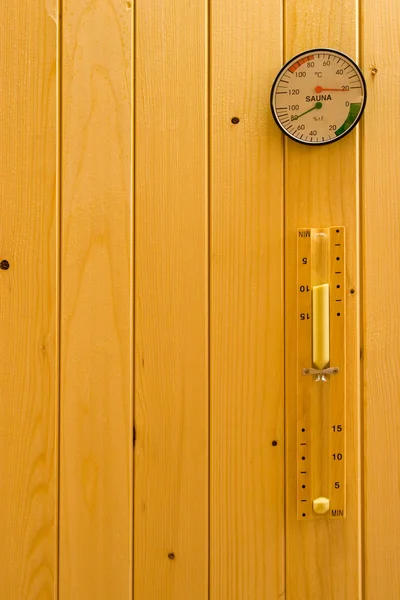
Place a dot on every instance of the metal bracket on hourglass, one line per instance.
(320, 373)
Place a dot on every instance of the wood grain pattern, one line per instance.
(28, 302)
(246, 303)
(174, 332)
(96, 303)
(323, 555)
(381, 343)
(171, 305)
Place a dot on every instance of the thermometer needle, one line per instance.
(317, 105)
(319, 89)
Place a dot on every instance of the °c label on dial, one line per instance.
(318, 96)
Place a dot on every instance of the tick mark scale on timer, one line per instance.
(307, 99)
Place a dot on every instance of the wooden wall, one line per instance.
(96, 361)
(380, 186)
(171, 301)
(29, 302)
(323, 557)
(149, 210)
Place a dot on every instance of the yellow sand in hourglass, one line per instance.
(320, 301)
(321, 326)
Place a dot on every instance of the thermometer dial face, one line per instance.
(318, 96)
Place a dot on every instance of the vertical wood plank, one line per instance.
(247, 402)
(323, 555)
(171, 305)
(28, 301)
(381, 244)
(96, 355)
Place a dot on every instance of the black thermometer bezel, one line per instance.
(285, 67)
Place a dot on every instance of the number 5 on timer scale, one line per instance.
(321, 375)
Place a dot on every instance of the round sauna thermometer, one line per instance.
(318, 96)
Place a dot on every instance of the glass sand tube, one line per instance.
(320, 301)
(320, 278)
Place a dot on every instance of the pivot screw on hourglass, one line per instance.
(4, 265)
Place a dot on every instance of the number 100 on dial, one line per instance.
(318, 97)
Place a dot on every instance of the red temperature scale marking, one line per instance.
(300, 62)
